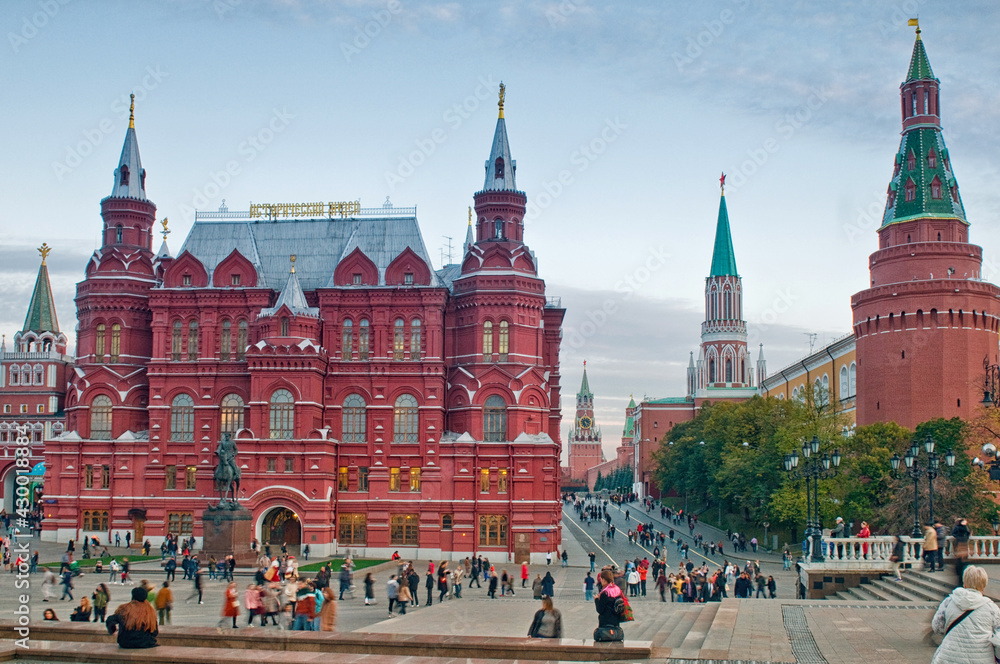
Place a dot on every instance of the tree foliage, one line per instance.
(733, 453)
(619, 479)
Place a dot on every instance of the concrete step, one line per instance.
(844, 595)
(896, 591)
(690, 648)
(720, 633)
(918, 589)
(873, 594)
(659, 633)
(943, 581)
(676, 636)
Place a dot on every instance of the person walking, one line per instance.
(524, 574)
(429, 585)
(404, 598)
(548, 585)
(171, 569)
(588, 587)
(392, 589)
(772, 587)
(164, 603)
(565, 558)
(536, 587)
(369, 589)
(930, 547)
(328, 612)
(492, 592)
(67, 584)
(969, 622)
(197, 590)
(100, 597)
(135, 622)
(961, 533)
(896, 557)
(230, 604)
(548, 558)
(547, 623)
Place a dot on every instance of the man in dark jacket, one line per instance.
(429, 584)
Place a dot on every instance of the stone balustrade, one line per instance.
(862, 553)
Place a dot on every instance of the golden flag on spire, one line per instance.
(913, 23)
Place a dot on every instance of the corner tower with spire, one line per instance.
(584, 440)
(722, 360)
(928, 320)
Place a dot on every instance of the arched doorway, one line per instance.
(281, 526)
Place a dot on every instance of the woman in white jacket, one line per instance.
(970, 623)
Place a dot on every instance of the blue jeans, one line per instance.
(589, 594)
(591, 566)
(302, 623)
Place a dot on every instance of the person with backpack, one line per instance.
(969, 622)
(610, 605)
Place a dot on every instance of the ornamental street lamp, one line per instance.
(990, 466)
(991, 384)
(813, 469)
(916, 472)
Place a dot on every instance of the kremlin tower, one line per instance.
(928, 320)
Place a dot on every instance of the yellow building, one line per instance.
(831, 370)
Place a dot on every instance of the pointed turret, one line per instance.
(723, 257)
(500, 167)
(761, 366)
(42, 310)
(585, 384)
(292, 297)
(470, 239)
(130, 178)
(923, 184)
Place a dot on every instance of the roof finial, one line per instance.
(131, 112)
(722, 184)
(503, 93)
(166, 231)
(470, 216)
(915, 23)
(293, 263)
(44, 250)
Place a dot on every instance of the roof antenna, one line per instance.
(449, 251)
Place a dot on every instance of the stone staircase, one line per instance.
(916, 586)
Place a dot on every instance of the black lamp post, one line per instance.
(916, 472)
(813, 469)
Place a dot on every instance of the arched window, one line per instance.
(405, 419)
(495, 419)
(845, 384)
(192, 341)
(729, 369)
(226, 341)
(911, 190)
(363, 339)
(182, 418)
(100, 418)
(932, 159)
(488, 341)
(503, 343)
(498, 169)
(99, 344)
(39, 374)
(498, 229)
(398, 340)
(711, 370)
(936, 188)
(116, 342)
(241, 341)
(15, 375)
(282, 416)
(231, 414)
(415, 339)
(347, 340)
(354, 428)
(825, 394)
(175, 342)
(854, 378)
(284, 326)
(123, 180)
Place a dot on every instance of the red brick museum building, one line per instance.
(377, 404)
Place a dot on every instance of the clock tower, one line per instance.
(584, 438)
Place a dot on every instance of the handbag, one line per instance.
(610, 633)
(627, 613)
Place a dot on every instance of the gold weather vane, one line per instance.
(915, 22)
(131, 112)
(503, 93)
(44, 250)
(166, 231)
(470, 215)
(292, 257)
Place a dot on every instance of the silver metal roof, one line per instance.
(292, 297)
(130, 157)
(501, 149)
(318, 244)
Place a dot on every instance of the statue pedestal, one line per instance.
(228, 532)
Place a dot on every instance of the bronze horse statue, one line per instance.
(227, 473)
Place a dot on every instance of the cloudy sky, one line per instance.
(621, 117)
